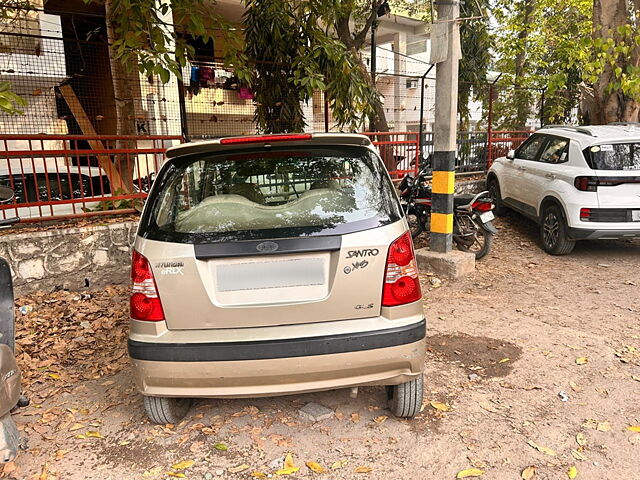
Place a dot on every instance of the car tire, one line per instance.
(405, 400)
(163, 410)
(554, 232)
(499, 208)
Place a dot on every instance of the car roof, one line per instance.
(294, 140)
(595, 134)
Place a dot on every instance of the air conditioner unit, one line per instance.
(412, 83)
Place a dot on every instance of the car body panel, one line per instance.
(351, 286)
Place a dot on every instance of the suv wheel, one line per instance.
(553, 230)
(494, 192)
(163, 410)
(405, 400)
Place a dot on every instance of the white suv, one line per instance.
(577, 182)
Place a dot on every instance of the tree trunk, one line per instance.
(612, 105)
(124, 84)
(355, 42)
(522, 96)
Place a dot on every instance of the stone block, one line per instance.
(315, 412)
(452, 265)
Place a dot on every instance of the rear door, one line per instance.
(270, 238)
(617, 167)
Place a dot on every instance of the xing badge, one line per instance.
(355, 266)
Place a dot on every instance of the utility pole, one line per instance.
(445, 125)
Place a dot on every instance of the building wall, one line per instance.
(72, 258)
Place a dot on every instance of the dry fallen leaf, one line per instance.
(339, 464)
(355, 417)
(289, 466)
(545, 450)
(528, 473)
(55, 376)
(488, 406)
(442, 407)
(152, 472)
(93, 434)
(581, 360)
(603, 426)
(504, 360)
(578, 455)
(470, 472)
(363, 469)
(634, 428)
(316, 467)
(176, 474)
(380, 419)
(239, 468)
(572, 472)
(581, 439)
(221, 446)
(575, 387)
(76, 426)
(183, 464)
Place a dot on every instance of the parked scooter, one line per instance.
(473, 229)
(10, 397)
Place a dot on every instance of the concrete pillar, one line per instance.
(444, 135)
(400, 83)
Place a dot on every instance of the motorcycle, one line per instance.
(473, 229)
(10, 397)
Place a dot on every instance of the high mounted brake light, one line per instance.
(401, 282)
(145, 302)
(266, 139)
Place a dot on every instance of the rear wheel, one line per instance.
(554, 232)
(479, 244)
(405, 400)
(163, 410)
(494, 193)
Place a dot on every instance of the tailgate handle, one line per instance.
(276, 246)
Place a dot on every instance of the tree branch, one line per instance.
(359, 38)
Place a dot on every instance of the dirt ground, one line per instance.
(502, 344)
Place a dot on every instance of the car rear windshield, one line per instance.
(616, 156)
(269, 194)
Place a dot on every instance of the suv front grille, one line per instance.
(607, 215)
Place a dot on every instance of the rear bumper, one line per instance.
(602, 234)
(279, 367)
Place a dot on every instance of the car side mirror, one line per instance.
(511, 154)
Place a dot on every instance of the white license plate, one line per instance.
(635, 215)
(486, 217)
(301, 272)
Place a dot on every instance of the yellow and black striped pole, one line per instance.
(442, 186)
(445, 124)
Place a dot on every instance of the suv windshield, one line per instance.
(269, 194)
(617, 156)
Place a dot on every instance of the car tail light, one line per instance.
(145, 302)
(586, 184)
(585, 214)
(266, 138)
(401, 282)
(482, 206)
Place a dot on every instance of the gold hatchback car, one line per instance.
(274, 265)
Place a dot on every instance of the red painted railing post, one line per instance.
(490, 129)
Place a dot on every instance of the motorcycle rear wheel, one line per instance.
(479, 244)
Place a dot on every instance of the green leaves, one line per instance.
(9, 101)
